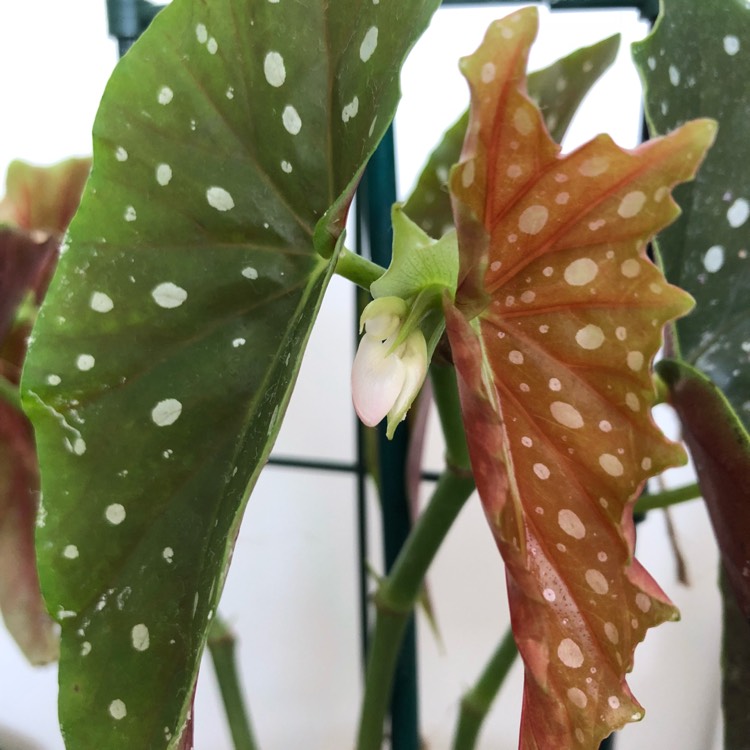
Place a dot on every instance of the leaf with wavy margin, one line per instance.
(557, 319)
(227, 148)
(558, 89)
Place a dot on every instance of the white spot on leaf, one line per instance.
(731, 44)
(101, 302)
(165, 95)
(596, 581)
(140, 637)
(168, 295)
(291, 119)
(115, 514)
(611, 464)
(250, 273)
(566, 415)
(571, 524)
(635, 361)
(163, 174)
(350, 110)
(594, 166)
(580, 272)
(738, 213)
(369, 43)
(590, 337)
(274, 70)
(117, 709)
(541, 471)
(631, 204)
(85, 362)
(577, 697)
(488, 72)
(70, 552)
(569, 653)
(630, 268)
(219, 198)
(533, 219)
(611, 632)
(522, 121)
(166, 412)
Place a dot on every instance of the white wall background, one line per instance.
(291, 593)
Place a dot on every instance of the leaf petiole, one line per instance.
(221, 644)
(476, 702)
(354, 267)
(667, 498)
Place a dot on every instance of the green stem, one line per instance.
(396, 598)
(10, 393)
(221, 644)
(399, 592)
(668, 497)
(358, 269)
(445, 393)
(476, 703)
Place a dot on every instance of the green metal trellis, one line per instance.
(377, 192)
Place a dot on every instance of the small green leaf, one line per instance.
(226, 150)
(696, 63)
(557, 89)
(419, 262)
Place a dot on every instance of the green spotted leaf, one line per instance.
(557, 89)
(695, 63)
(226, 151)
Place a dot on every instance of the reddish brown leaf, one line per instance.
(720, 448)
(20, 600)
(25, 265)
(558, 316)
(43, 198)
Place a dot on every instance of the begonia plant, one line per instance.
(537, 287)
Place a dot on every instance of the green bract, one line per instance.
(419, 262)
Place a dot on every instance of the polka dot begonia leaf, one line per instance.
(557, 89)
(557, 318)
(696, 62)
(227, 147)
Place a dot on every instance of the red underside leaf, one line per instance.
(720, 449)
(20, 600)
(558, 316)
